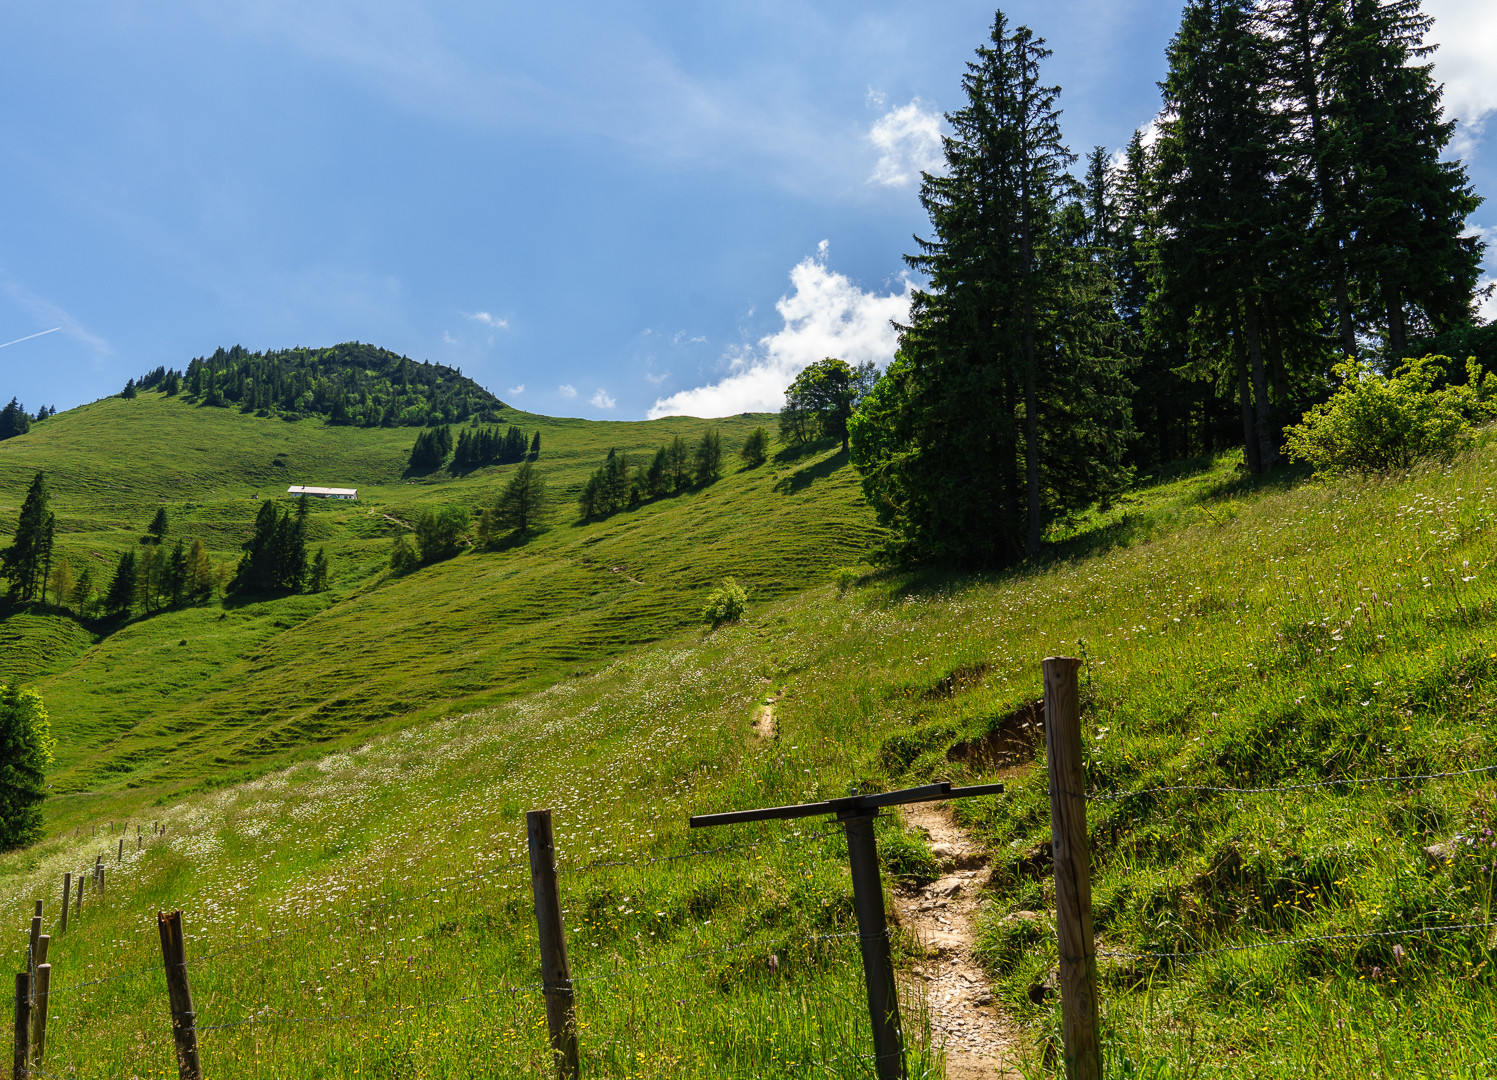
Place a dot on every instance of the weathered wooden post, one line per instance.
(21, 1068)
(120, 861)
(41, 992)
(556, 970)
(873, 936)
(67, 894)
(1073, 873)
(78, 908)
(184, 1019)
(38, 961)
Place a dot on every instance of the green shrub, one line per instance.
(845, 577)
(725, 603)
(26, 747)
(1378, 423)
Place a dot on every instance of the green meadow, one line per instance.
(343, 777)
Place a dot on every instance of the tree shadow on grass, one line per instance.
(803, 478)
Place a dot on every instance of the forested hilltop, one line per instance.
(352, 383)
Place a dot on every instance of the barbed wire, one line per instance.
(112, 978)
(695, 854)
(1120, 795)
(1364, 936)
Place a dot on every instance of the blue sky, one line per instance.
(605, 210)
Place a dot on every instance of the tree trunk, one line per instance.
(1263, 426)
(1245, 396)
(1397, 334)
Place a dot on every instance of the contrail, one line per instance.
(28, 337)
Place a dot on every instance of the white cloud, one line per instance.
(567, 390)
(515, 391)
(876, 99)
(449, 339)
(825, 315)
(657, 379)
(1466, 62)
(681, 336)
(908, 140)
(493, 322)
(601, 400)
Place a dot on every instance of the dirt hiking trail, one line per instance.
(964, 1017)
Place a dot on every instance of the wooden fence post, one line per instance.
(120, 861)
(184, 1019)
(556, 970)
(21, 1068)
(1073, 872)
(78, 908)
(38, 961)
(873, 935)
(43, 991)
(67, 894)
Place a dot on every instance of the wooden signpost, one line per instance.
(856, 812)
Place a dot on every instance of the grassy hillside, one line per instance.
(1236, 634)
(203, 694)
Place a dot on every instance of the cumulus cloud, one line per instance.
(1466, 63)
(493, 322)
(601, 400)
(567, 390)
(908, 140)
(825, 314)
(515, 391)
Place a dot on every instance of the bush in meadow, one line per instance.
(1379, 423)
(26, 747)
(726, 603)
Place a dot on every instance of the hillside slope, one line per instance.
(1237, 636)
(177, 698)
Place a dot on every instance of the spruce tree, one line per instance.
(13, 420)
(82, 595)
(121, 593)
(174, 581)
(26, 561)
(317, 575)
(1227, 221)
(1414, 267)
(657, 476)
(535, 446)
(522, 501)
(965, 444)
(157, 529)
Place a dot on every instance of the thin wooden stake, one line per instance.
(1073, 874)
(78, 910)
(67, 894)
(120, 861)
(184, 1019)
(556, 970)
(43, 991)
(873, 934)
(21, 1058)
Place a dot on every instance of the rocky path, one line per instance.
(964, 1017)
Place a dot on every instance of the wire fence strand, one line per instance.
(1247, 946)
(585, 868)
(1117, 796)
